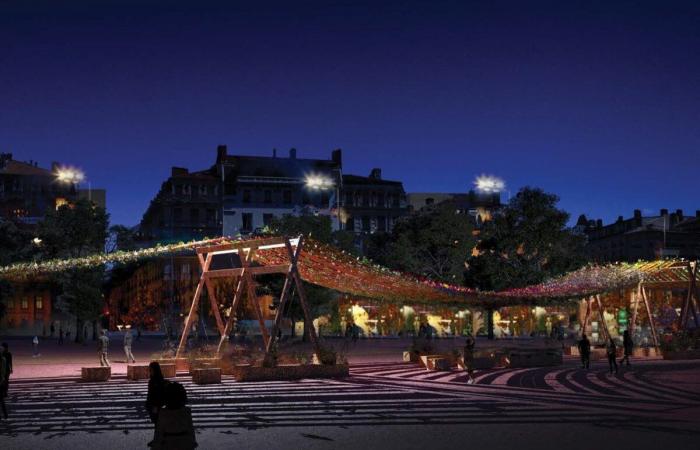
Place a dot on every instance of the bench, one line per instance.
(137, 372)
(97, 373)
(207, 375)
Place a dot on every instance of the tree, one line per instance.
(434, 243)
(74, 231)
(121, 238)
(15, 246)
(526, 243)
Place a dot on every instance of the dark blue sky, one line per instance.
(598, 102)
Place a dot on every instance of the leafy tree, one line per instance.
(434, 243)
(15, 246)
(69, 232)
(121, 238)
(525, 244)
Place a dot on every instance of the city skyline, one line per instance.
(596, 103)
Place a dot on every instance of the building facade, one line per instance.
(480, 206)
(371, 204)
(256, 189)
(673, 235)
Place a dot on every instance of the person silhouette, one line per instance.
(103, 348)
(611, 350)
(628, 346)
(4, 375)
(174, 428)
(584, 350)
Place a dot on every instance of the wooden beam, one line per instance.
(692, 274)
(250, 283)
(252, 244)
(635, 302)
(654, 336)
(285, 296)
(238, 294)
(193, 307)
(259, 270)
(601, 314)
(587, 317)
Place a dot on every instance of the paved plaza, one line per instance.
(385, 403)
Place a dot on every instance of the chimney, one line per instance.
(376, 174)
(637, 213)
(274, 153)
(673, 219)
(679, 214)
(221, 153)
(620, 218)
(663, 212)
(337, 157)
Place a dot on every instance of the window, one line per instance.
(381, 223)
(25, 303)
(348, 198)
(287, 197)
(11, 304)
(211, 216)
(167, 271)
(267, 219)
(204, 190)
(365, 223)
(365, 199)
(194, 215)
(177, 215)
(268, 196)
(395, 201)
(38, 303)
(246, 196)
(247, 222)
(380, 200)
(185, 271)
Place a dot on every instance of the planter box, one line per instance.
(292, 372)
(137, 372)
(181, 364)
(410, 357)
(211, 375)
(168, 370)
(681, 354)
(95, 373)
(535, 358)
(640, 352)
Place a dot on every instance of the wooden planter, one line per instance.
(137, 372)
(210, 375)
(181, 364)
(411, 357)
(535, 358)
(97, 373)
(681, 354)
(641, 352)
(291, 372)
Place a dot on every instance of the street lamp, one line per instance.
(489, 184)
(73, 176)
(323, 183)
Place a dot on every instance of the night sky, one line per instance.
(598, 102)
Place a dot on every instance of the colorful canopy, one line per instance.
(330, 267)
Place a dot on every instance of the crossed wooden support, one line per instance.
(245, 285)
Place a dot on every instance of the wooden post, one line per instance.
(635, 307)
(212, 299)
(285, 296)
(195, 302)
(692, 274)
(654, 337)
(250, 283)
(601, 313)
(587, 317)
(238, 294)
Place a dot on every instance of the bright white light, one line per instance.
(489, 184)
(318, 182)
(69, 175)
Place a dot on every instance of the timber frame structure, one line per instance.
(244, 277)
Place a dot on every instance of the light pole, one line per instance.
(74, 177)
(322, 183)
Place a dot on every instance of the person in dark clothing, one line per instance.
(60, 335)
(584, 349)
(611, 350)
(628, 346)
(174, 429)
(155, 398)
(5, 372)
(469, 345)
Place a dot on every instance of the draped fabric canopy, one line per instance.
(330, 267)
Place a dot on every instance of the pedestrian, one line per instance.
(4, 375)
(469, 345)
(35, 346)
(611, 350)
(628, 346)
(128, 338)
(103, 347)
(60, 335)
(174, 429)
(155, 398)
(584, 350)
(53, 329)
(6, 371)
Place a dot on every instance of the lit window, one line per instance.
(38, 303)
(25, 303)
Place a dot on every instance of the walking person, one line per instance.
(53, 329)
(5, 372)
(174, 429)
(103, 348)
(469, 345)
(155, 398)
(584, 350)
(128, 338)
(35, 346)
(611, 350)
(628, 346)
(60, 335)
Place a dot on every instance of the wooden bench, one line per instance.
(137, 372)
(97, 373)
(208, 375)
